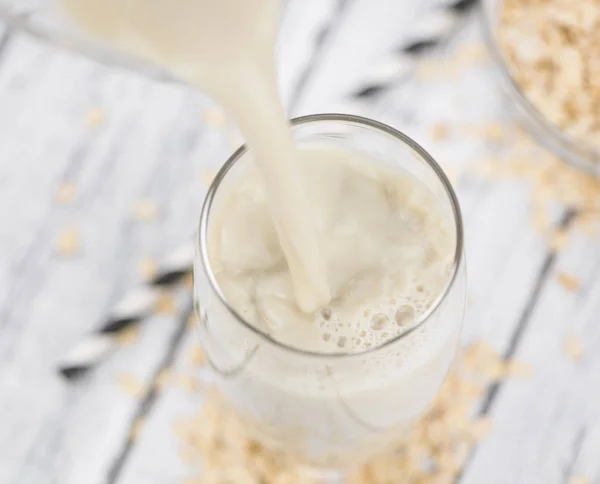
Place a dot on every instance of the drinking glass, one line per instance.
(332, 411)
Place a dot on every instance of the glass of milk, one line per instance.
(333, 410)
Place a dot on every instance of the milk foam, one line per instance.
(386, 242)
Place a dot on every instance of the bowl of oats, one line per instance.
(547, 56)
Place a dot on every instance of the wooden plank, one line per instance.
(547, 427)
(155, 457)
(367, 31)
(49, 301)
(151, 145)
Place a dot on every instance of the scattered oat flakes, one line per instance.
(479, 354)
(580, 480)
(68, 241)
(165, 303)
(470, 129)
(435, 69)
(481, 428)
(427, 69)
(471, 53)
(559, 239)
(587, 221)
(95, 116)
(192, 320)
(552, 183)
(541, 221)
(197, 357)
(186, 457)
(148, 268)
(164, 378)
(569, 281)
(493, 370)
(131, 386)
(136, 428)
(66, 193)
(440, 132)
(217, 444)
(188, 383)
(188, 280)
(518, 369)
(145, 210)
(214, 116)
(128, 336)
(207, 176)
(573, 347)
(495, 132)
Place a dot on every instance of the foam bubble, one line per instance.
(379, 321)
(404, 315)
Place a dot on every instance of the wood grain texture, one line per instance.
(152, 146)
(366, 32)
(155, 457)
(49, 301)
(547, 427)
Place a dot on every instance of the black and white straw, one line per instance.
(128, 312)
(428, 33)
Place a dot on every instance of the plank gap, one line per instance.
(577, 446)
(147, 403)
(5, 38)
(321, 40)
(540, 282)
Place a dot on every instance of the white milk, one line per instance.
(227, 48)
(319, 248)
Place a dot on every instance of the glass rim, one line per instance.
(576, 153)
(365, 122)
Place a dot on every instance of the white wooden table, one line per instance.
(153, 145)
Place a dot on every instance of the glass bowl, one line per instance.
(566, 147)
